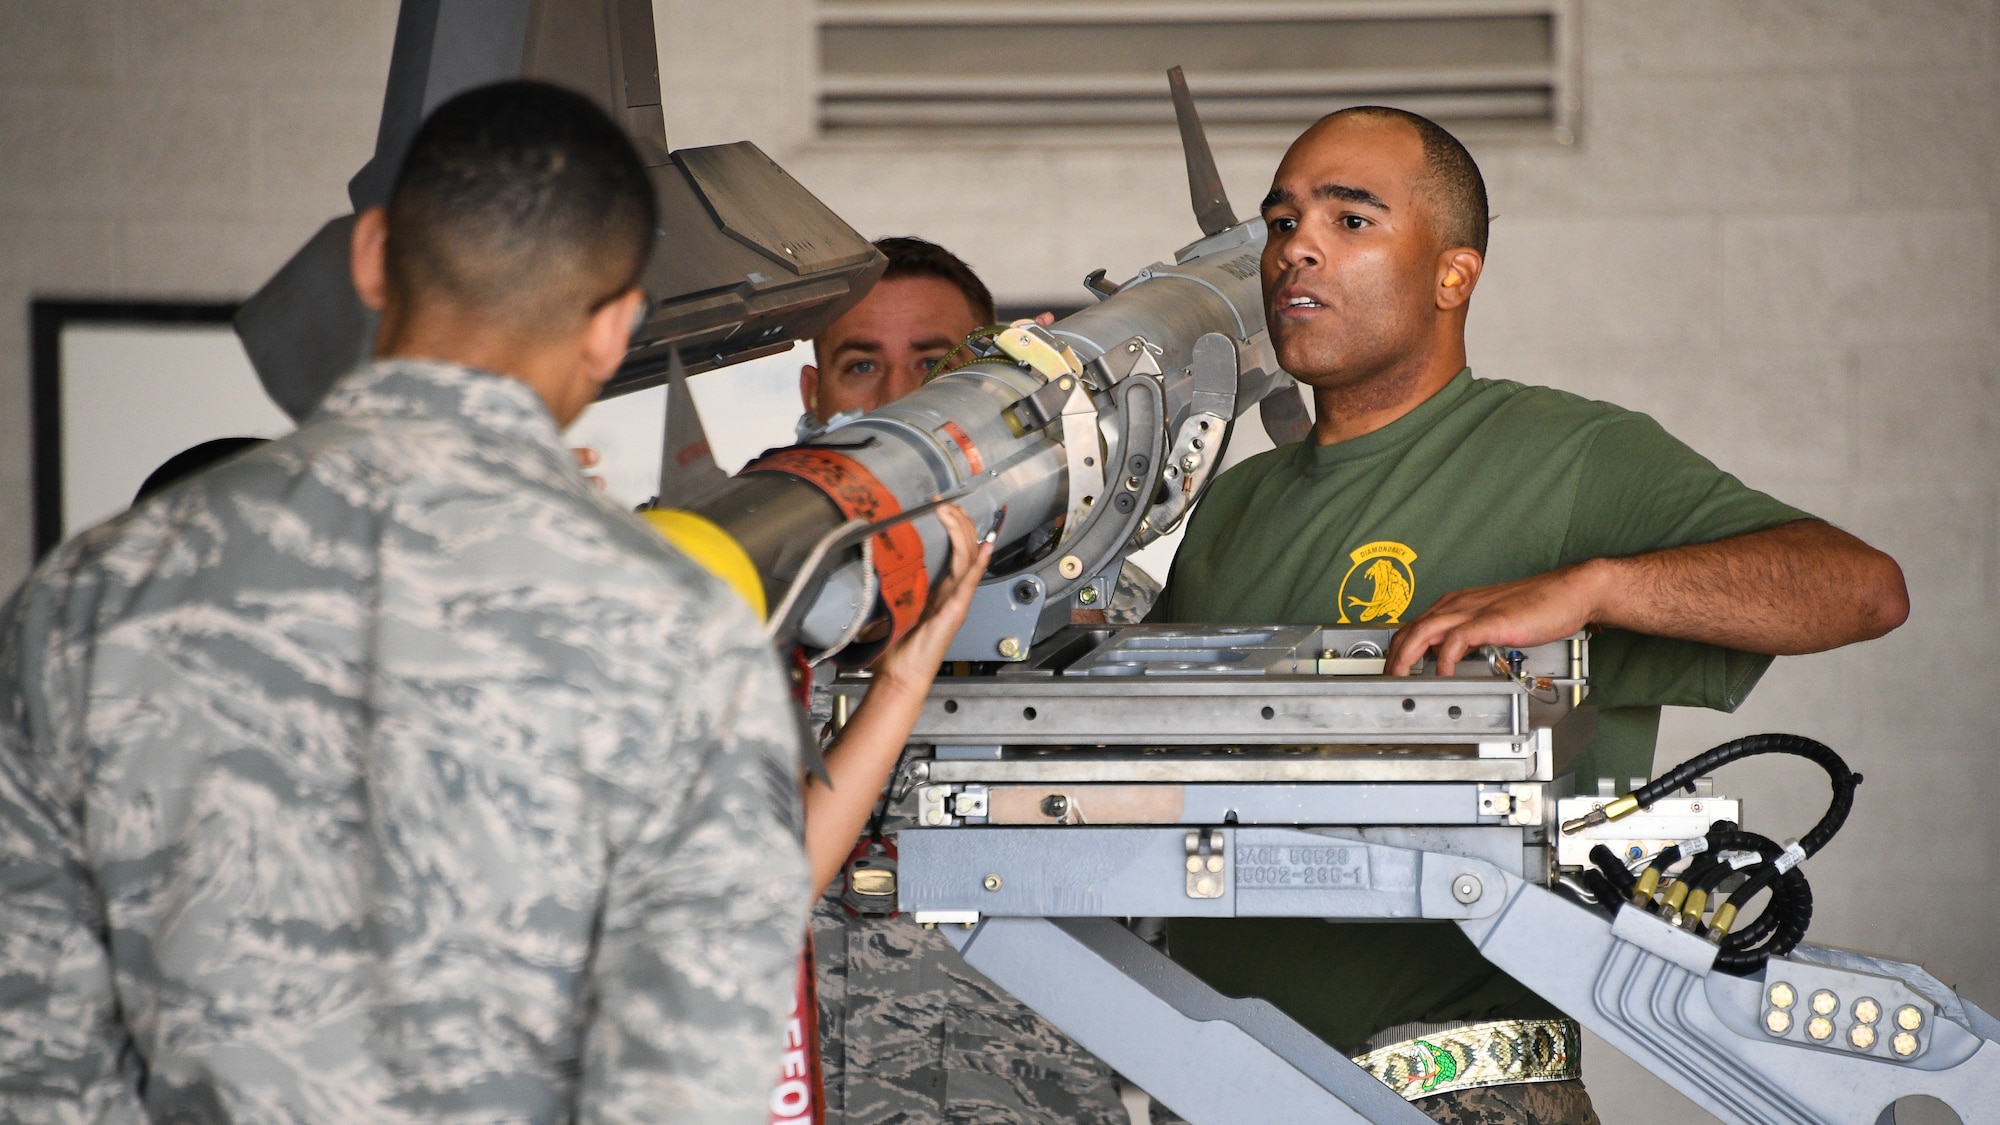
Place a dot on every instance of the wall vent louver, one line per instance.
(1481, 67)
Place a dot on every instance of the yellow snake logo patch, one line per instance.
(1386, 566)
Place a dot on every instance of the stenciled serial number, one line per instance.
(1301, 866)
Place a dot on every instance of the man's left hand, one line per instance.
(1518, 614)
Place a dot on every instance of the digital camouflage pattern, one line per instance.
(387, 773)
(1133, 598)
(1528, 1103)
(910, 1034)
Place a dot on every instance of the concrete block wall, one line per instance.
(166, 149)
(1777, 234)
(1779, 239)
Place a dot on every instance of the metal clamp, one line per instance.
(1033, 347)
(1198, 441)
(1207, 861)
(1131, 462)
(1515, 803)
(1044, 405)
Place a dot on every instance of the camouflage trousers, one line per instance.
(912, 1035)
(1527, 1103)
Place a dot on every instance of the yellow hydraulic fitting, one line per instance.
(1623, 806)
(1676, 895)
(1642, 892)
(1725, 916)
(1697, 901)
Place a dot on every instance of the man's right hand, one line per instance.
(1519, 614)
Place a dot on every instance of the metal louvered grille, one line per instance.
(1482, 66)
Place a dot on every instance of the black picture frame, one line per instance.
(47, 318)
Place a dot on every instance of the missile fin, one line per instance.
(688, 472)
(1211, 204)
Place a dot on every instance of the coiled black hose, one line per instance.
(1782, 924)
(1708, 761)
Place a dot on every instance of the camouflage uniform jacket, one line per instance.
(388, 774)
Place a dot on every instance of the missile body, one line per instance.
(968, 436)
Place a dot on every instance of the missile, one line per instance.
(1076, 444)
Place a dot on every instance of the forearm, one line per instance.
(858, 765)
(1805, 586)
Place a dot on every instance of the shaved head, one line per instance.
(1452, 184)
(1374, 226)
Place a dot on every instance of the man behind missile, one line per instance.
(909, 1032)
(386, 772)
(1474, 512)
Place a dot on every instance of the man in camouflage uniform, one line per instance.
(909, 1032)
(386, 773)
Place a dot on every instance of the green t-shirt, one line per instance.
(1486, 482)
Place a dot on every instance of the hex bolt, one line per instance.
(1009, 647)
(1467, 888)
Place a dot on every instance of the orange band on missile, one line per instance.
(973, 460)
(899, 551)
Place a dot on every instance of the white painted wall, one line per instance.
(1777, 235)
(133, 396)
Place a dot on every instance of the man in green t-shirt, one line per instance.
(1474, 512)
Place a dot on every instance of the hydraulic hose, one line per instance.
(1608, 881)
(1766, 865)
(1682, 776)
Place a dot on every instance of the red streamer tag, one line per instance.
(796, 1098)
